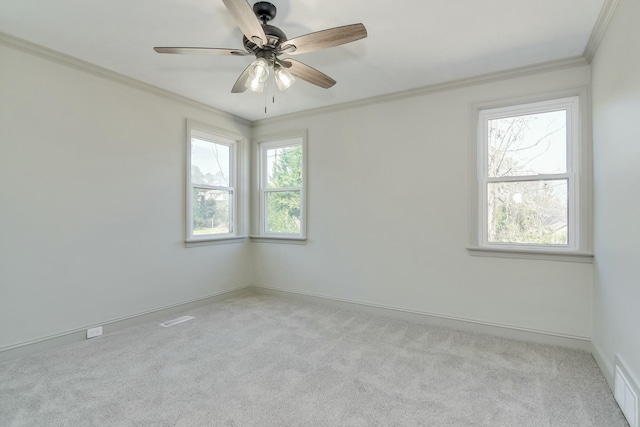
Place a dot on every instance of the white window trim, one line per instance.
(236, 143)
(579, 173)
(261, 144)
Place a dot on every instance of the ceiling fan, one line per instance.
(268, 42)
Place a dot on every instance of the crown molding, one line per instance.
(70, 61)
(599, 29)
(561, 64)
(78, 64)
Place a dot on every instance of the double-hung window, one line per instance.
(529, 177)
(282, 184)
(212, 183)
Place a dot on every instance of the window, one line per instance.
(528, 177)
(282, 188)
(212, 179)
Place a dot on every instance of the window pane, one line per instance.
(528, 145)
(528, 212)
(210, 163)
(284, 167)
(283, 212)
(211, 210)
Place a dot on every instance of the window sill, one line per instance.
(278, 239)
(565, 256)
(194, 243)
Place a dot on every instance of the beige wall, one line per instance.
(92, 202)
(92, 225)
(388, 224)
(616, 110)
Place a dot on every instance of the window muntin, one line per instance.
(528, 185)
(282, 188)
(212, 184)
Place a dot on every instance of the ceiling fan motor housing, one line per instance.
(275, 36)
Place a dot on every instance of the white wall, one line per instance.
(388, 222)
(92, 202)
(616, 110)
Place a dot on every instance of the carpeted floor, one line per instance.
(260, 360)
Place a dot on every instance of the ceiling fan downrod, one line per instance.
(265, 11)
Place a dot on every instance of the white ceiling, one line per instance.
(411, 43)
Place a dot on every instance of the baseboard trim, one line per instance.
(46, 343)
(469, 325)
(603, 363)
(505, 331)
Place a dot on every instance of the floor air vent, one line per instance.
(626, 393)
(176, 321)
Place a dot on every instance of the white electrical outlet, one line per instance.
(94, 332)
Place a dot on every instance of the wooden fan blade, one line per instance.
(246, 20)
(308, 73)
(200, 51)
(241, 82)
(325, 39)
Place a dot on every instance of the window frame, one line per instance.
(577, 174)
(234, 141)
(260, 167)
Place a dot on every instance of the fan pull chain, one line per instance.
(273, 100)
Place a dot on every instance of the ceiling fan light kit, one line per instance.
(284, 79)
(268, 42)
(258, 75)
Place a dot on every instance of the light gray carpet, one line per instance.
(261, 360)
